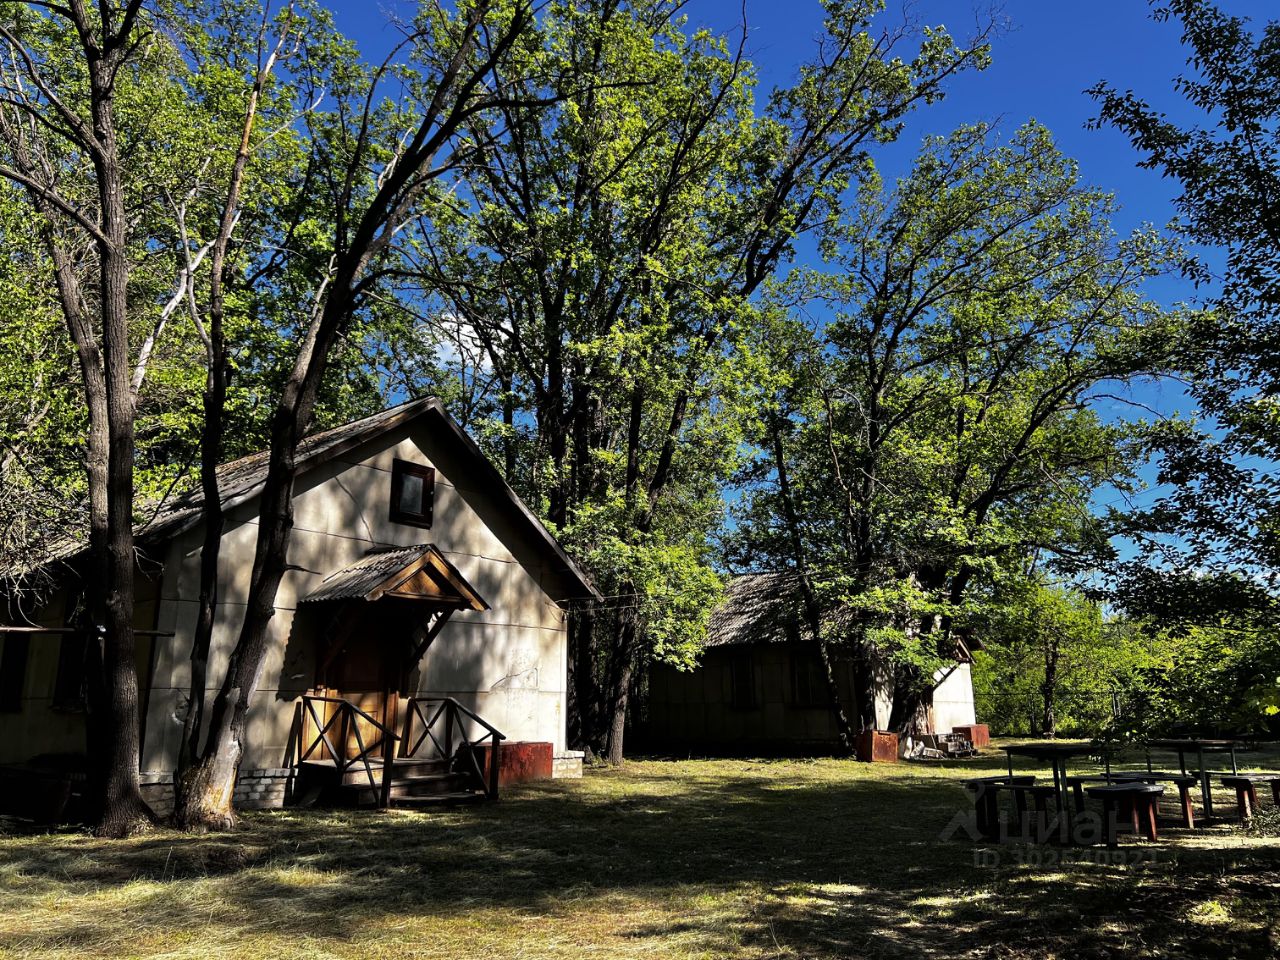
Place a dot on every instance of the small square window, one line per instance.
(413, 488)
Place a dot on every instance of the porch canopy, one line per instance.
(419, 572)
(387, 607)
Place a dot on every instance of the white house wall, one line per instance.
(507, 663)
(40, 727)
(953, 699)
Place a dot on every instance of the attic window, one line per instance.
(412, 493)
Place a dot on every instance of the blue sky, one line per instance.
(1047, 55)
(1050, 52)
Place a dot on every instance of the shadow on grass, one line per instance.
(795, 858)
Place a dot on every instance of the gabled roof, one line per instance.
(241, 480)
(414, 573)
(768, 608)
(759, 608)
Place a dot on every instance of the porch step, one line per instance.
(413, 781)
(358, 776)
(457, 796)
(428, 785)
(444, 788)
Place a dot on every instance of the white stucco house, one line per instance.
(422, 598)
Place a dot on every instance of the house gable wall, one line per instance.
(507, 663)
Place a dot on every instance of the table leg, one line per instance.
(1109, 817)
(1149, 769)
(1234, 769)
(1206, 792)
(1010, 756)
(1150, 811)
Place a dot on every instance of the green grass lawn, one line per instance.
(696, 858)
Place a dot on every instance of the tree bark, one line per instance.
(864, 689)
(122, 809)
(619, 691)
(812, 609)
(583, 690)
(190, 788)
(1049, 690)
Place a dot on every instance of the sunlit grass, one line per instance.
(692, 858)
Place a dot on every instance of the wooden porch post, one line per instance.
(388, 749)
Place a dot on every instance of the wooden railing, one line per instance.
(346, 718)
(443, 723)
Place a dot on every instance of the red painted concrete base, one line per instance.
(975, 733)
(521, 761)
(877, 746)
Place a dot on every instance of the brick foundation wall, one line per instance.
(157, 790)
(567, 765)
(261, 788)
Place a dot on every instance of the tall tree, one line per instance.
(607, 254)
(69, 74)
(1046, 646)
(222, 165)
(378, 160)
(1222, 506)
(935, 424)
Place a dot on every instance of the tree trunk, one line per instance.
(120, 808)
(910, 696)
(123, 810)
(210, 782)
(864, 689)
(583, 692)
(1049, 722)
(621, 672)
(812, 610)
(97, 455)
(188, 788)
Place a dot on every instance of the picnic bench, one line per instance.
(1246, 788)
(1056, 755)
(1184, 783)
(1199, 747)
(986, 801)
(1031, 802)
(1137, 802)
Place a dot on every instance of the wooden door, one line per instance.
(360, 674)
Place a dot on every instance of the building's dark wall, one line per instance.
(741, 699)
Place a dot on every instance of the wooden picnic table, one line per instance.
(1056, 755)
(1200, 747)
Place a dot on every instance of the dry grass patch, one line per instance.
(715, 858)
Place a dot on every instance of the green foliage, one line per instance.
(1221, 677)
(180, 102)
(42, 418)
(596, 277)
(938, 430)
(1049, 645)
(1224, 501)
